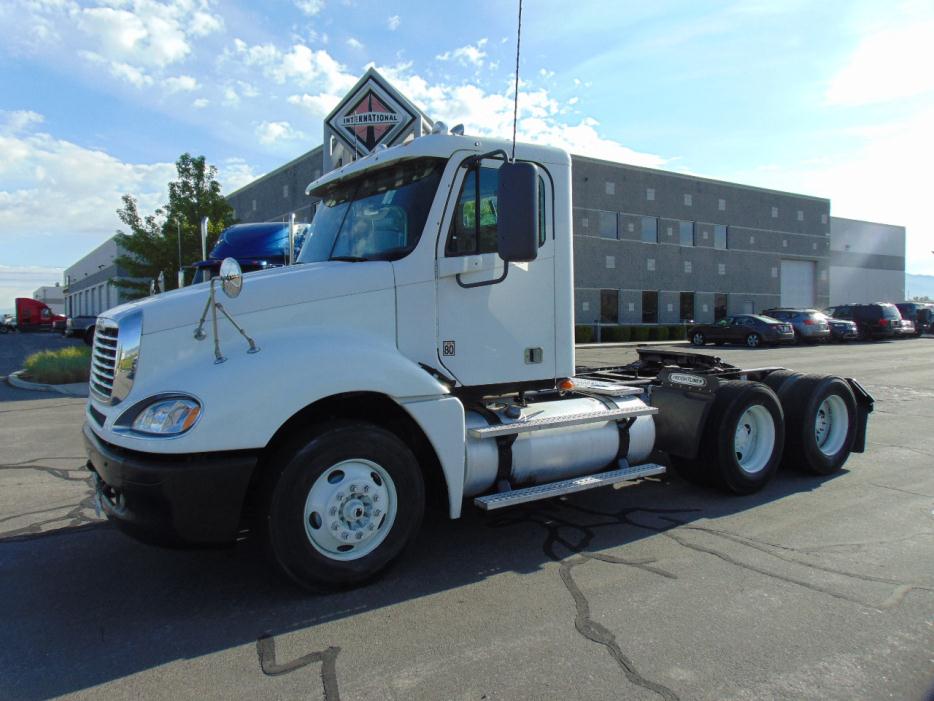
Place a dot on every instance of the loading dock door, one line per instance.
(798, 283)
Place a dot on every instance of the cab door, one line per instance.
(496, 321)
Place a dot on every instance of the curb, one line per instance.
(629, 344)
(75, 389)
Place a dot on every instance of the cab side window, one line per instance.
(471, 234)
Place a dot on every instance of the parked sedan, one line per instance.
(750, 329)
(809, 324)
(841, 329)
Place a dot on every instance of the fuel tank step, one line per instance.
(591, 417)
(556, 489)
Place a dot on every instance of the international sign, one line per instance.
(372, 114)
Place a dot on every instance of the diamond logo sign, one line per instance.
(371, 115)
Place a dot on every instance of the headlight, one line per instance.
(167, 417)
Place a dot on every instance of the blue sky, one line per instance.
(99, 97)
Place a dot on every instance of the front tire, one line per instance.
(753, 340)
(698, 339)
(345, 506)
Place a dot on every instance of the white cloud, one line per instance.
(393, 23)
(310, 7)
(200, 103)
(131, 74)
(318, 105)
(300, 65)
(56, 188)
(234, 173)
(886, 65)
(271, 132)
(472, 54)
(181, 83)
(354, 43)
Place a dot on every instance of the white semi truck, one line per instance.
(420, 351)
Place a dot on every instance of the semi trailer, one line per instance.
(419, 353)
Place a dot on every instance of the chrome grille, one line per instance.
(103, 359)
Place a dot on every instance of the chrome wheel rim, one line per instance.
(830, 425)
(754, 439)
(752, 340)
(350, 509)
(698, 339)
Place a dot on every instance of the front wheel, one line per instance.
(753, 340)
(698, 339)
(345, 506)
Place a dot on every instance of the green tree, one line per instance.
(151, 246)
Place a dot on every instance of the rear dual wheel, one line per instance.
(742, 442)
(820, 420)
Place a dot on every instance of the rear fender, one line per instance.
(865, 403)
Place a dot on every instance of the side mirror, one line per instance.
(517, 218)
(231, 277)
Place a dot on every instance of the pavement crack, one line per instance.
(903, 491)
(559, 530)
(266, 652)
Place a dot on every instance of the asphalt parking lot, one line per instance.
(811, 589)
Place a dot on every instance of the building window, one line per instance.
(774, 212)
(285, 191)
(688, 200)
(630, 227)
(609, 306)
(650, 307)
(800, 215)
(650, 194)
(611, 262)
(687, 306)
(823, 218)
(784, 243)
(752, 240)
(585, 223)
(650, 264)
(774, 271)
(721, 268)
(610, 187)
(650, 229)
(688, 266)
(631, 306)
(721, 204)
(609, 225)
(686, 232)
(719, 306)
(254, 205)
(585, 306)
(719, 236)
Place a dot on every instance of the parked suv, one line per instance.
(918, 313)
(873, 321)
(809, 324)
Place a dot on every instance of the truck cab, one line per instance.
(419, 352)
(33, 315)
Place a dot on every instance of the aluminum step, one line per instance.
(590, 417)
(608, 388)
(556, 489)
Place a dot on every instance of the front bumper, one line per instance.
(169, 499)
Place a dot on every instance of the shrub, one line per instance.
(661, 333)
(677, 333)
(612, 334)
(583, 333)
(72, 364)
(640, 333)
(625, 333)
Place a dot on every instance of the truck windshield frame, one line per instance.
(379, 215)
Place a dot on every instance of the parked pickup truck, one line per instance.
(82, 326)
(421, 352)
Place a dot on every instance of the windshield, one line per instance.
(378, 216)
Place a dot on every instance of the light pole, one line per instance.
(181, 273)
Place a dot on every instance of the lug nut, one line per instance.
(345, 535)
(376, 512)
(366, 489)
(375, 498)
(359, 535)
(334, 525)
(333, 511)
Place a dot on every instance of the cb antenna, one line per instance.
(515, 107)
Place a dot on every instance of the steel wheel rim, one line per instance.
(350, 509)
(754, 439)
(752, 340)
(698, 339)
(830, 425)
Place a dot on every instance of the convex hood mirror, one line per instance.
(231, 277)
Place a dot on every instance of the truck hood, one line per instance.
(262, 289)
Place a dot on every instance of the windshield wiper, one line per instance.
(350, 259)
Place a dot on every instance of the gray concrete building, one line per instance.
(280, 193)
(89, 288)
(52, 296)
(867, 262)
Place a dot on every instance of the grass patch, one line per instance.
(59, 367)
